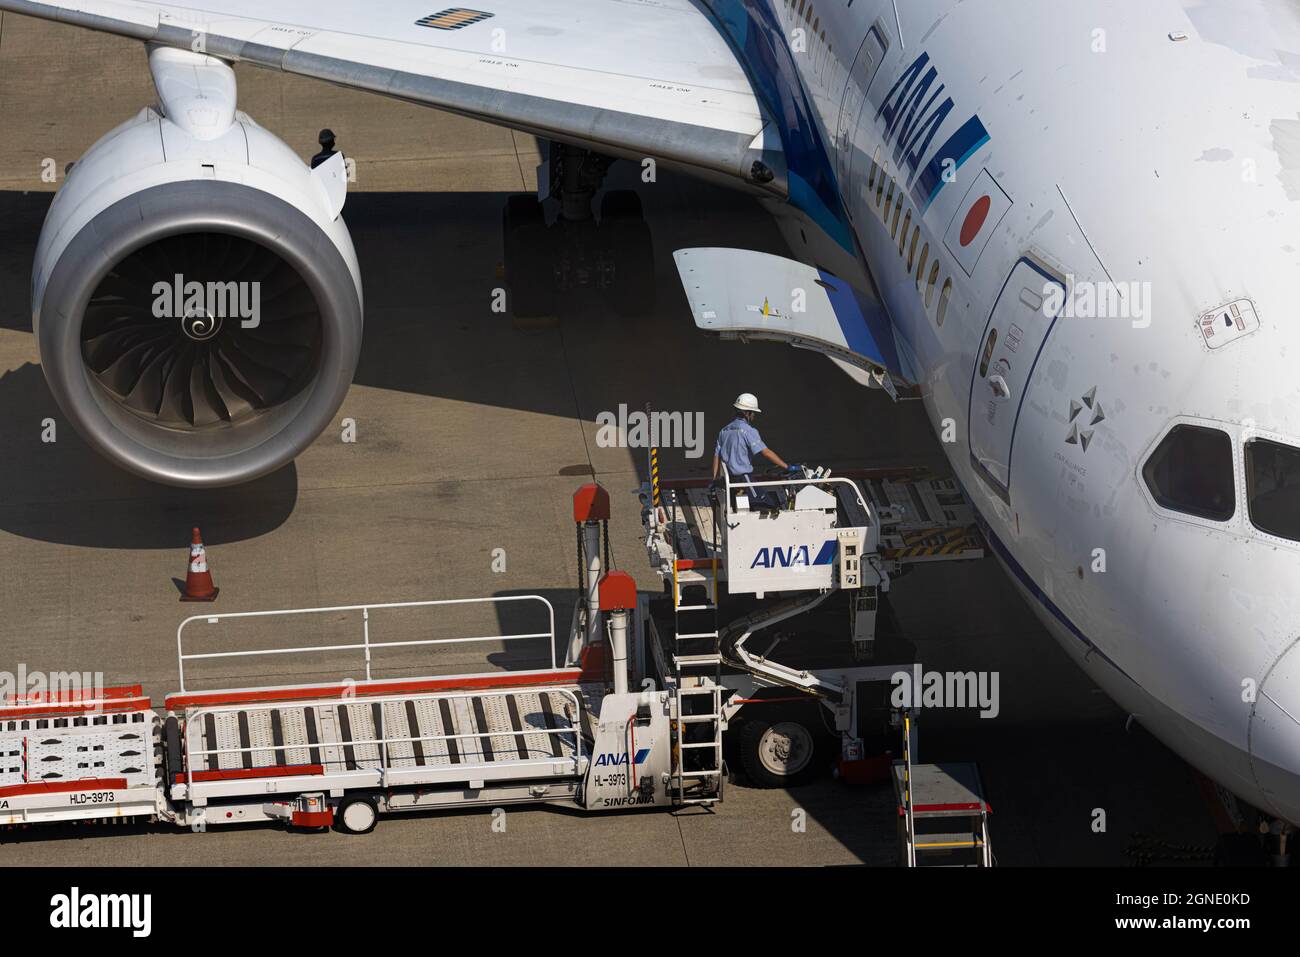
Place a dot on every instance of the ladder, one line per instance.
(943, 818)
(697, 661)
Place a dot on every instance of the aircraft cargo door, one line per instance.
(854, 98)
(1004, 366)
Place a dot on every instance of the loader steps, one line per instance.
(943, 816)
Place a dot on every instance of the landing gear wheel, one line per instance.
(528, 258)
(781, 750)
(356, 815)
(632, 293)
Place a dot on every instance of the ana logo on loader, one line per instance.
(610, 760)
(794, 555)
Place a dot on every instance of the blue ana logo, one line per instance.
(793, 556)
(611, 760)
(913, 117)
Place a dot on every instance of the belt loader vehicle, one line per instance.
(629, 715)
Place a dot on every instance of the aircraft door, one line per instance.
(1013, 340)
(861, 74)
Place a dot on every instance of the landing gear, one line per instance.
(614, 255)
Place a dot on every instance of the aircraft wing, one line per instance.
(632, 78)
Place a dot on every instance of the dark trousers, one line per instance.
(758, 497)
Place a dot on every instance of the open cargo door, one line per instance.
(742, 294)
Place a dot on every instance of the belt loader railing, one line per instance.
(366, 645)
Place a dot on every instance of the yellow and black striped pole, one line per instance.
(654, 476)
(654, 466)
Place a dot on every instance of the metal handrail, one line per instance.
(194, 720)
(910, 821)
(829, 480)
(366, 644)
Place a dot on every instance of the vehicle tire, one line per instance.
(528, 258)
(782, 748)
(632, 293)
(356, 815)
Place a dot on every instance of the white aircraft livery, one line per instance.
(1072, 228)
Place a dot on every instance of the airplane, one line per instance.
(1069, 228)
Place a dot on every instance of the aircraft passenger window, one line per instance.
(911, 250)
(988, 353)
(929, 287)
(944, 296)
(893, 229)
(880, 187)
(1191, 471)
(889, 200)
(875, 169)
(920, 267)
(902, 239)
(1273, 487)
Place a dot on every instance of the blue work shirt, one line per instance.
(738, 442)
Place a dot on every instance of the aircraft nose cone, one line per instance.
(1275, 736)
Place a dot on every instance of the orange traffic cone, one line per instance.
(198, 580)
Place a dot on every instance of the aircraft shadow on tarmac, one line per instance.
(64, 492)
(430, 266)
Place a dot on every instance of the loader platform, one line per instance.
(921, 517)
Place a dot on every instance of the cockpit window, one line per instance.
(1273, 488)
(1191, 471)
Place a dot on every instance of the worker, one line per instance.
(738, 443)
(327, 150)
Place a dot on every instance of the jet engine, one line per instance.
(196, 296)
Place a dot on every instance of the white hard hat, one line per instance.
(747, 402)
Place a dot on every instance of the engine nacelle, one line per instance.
(196, 296)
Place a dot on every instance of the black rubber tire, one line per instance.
(756, 726)
(528, 258)
(340, 816)
(621, 204)
(623, 225)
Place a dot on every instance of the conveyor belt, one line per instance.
(332, 735)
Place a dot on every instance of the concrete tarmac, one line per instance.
(472, 432)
